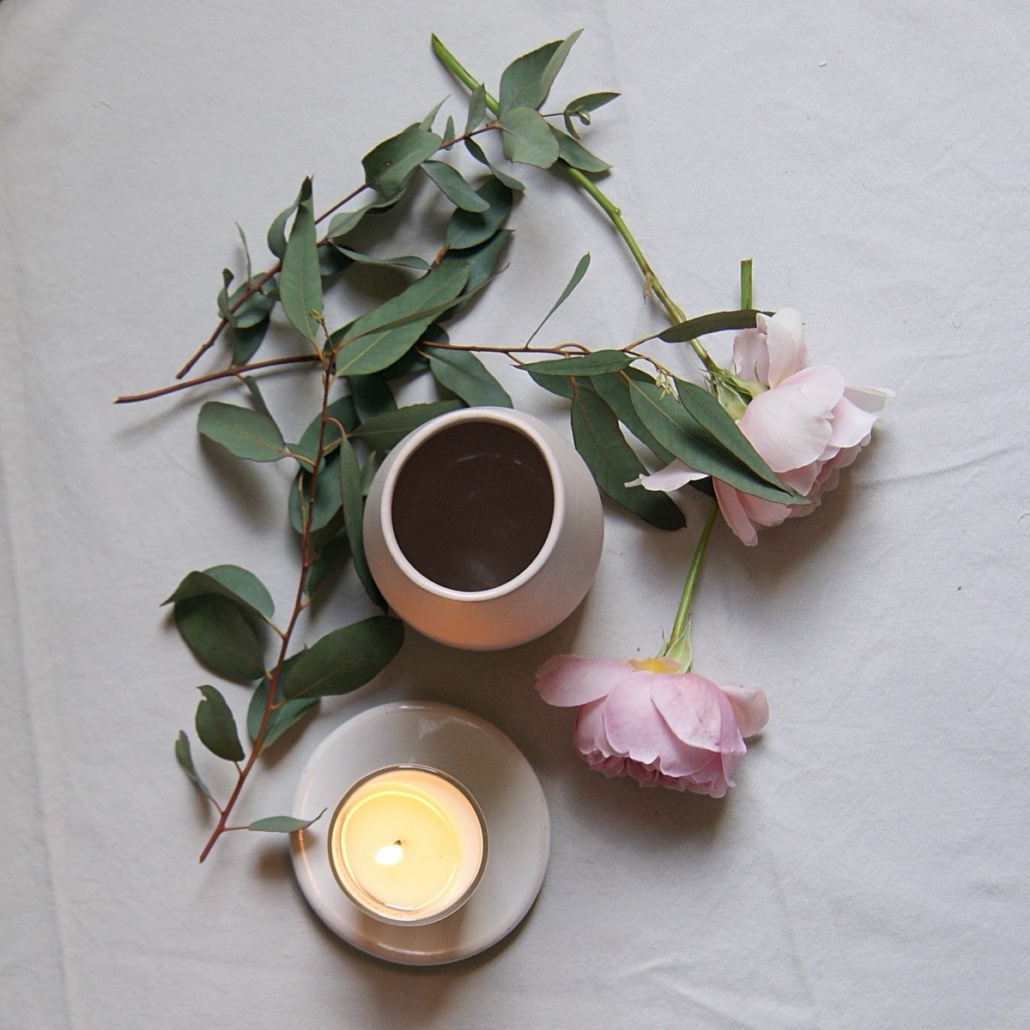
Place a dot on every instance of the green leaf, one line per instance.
(560, 385)
(469, 228)
(477, 108)
(244, 314)
(280, 719)
(528, 79)
(599, 363)
(372, 395)
(575, 154)
(527, 138)
(185, 760)
(344, 659)
(282, 823)
(679, 433)
(277, 232)
(482, 261)
(230, 581)
(589, 102)
(388, 429)
(454, 186)
(477, 152)
(449, 133)
(352, 494)
(332, 259)
(369, 470)
(245, 342)
(246, 252)
(341, 410)
(403, 261)
(427, 123)
(241, 431)
(461, 372)
(614, 391)
(254, 389)
(332, 556)
(327, 499)
(611, 460)
(220, 637)
(300, 281)
(389, 165)
(347, 221)
(577, 276)
(216, 726)
(379, 337)
(714, 322)
(223, 295)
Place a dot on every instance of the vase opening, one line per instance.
(473, 505)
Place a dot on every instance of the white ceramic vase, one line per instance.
(483, 528)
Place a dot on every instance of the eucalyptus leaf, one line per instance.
(332, 556)
(469, 229)
(276, 238)
(390, 163)
(230, 581)
(461, 372)
(352, 496)
(241, 431)
(347, 221)
(344, 659)
(327, 499)
(449, 133)
(714, 322)
(341, 410)
(245, 342)
(598, 438)
(509, 180)
(220, 637)
(402, 261)
(577, 276)
(614, 391)
(185, 760)
(280, 719)
(369, 470)
(388, 429)
(678, 432)
(332, 260)
(371, 394)
(528, 79)
(477, 108)
(599, 363)
(427, 122)
(575, 154)
(282, 823)
(216, 726)
(254, 389)
(590, 102)
(245, 312)
(377, 339)
(454, 187)
(559, 385)
(482, 261)
(223, 295)
(527, 138)
(300, 281)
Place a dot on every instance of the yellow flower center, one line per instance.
(661, 664)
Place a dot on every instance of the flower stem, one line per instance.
(679, 639)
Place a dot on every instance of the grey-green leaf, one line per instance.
(344, 659)
(454, 187)
(461, 372)
(331, 557)
(713, 322)
(185, 760)
(427, 122)
(388, 429)
(377, 339)
(282, 823)
(577, 276)
(242, 431)
(611, 460)
(469, 228)
(347, 221)
(277, 232)
(300, 282)
(371, 394)
(280, 719)
(477, 108)
(220, 637)
(575, 154)
(231, 581)
(389, 164)
(614, 391)
(677, 431)
(245, 342)
(528, 79)
(509, 180)
(599, 363)
(341, 410)
(327, 499)
(402, 261)
(216, 726)
(352, 496)
(527, 138)
(590, 102)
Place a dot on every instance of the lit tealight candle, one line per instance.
(408, 844)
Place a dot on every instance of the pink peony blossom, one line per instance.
(806, 423)
(646, 720)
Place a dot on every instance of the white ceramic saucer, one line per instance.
(495, 772)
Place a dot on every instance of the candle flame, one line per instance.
(390, 854)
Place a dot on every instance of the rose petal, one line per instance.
(751, 355)
(697, 712)
(672, 477)
(589, 735)
(632, 723)
(750, 707)
(785, 339)
(567, 680)
(851, 425)
(868, 398)
(765, 513)
(790, 425)
(733, 512)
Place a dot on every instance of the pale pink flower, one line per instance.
(808, 424)
(646, 720)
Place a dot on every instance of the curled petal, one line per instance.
(751, 355)
(567, 680)
(733, 512)
(698, 712)
(591, 739)
(750, 707)
(851, 425)
(672, 477)
(785, 340)
(632, 723)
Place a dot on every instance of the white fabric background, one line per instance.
(870, 868)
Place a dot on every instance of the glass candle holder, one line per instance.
(408, 844)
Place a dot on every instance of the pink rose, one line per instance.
(807, 424)
(643, 719)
